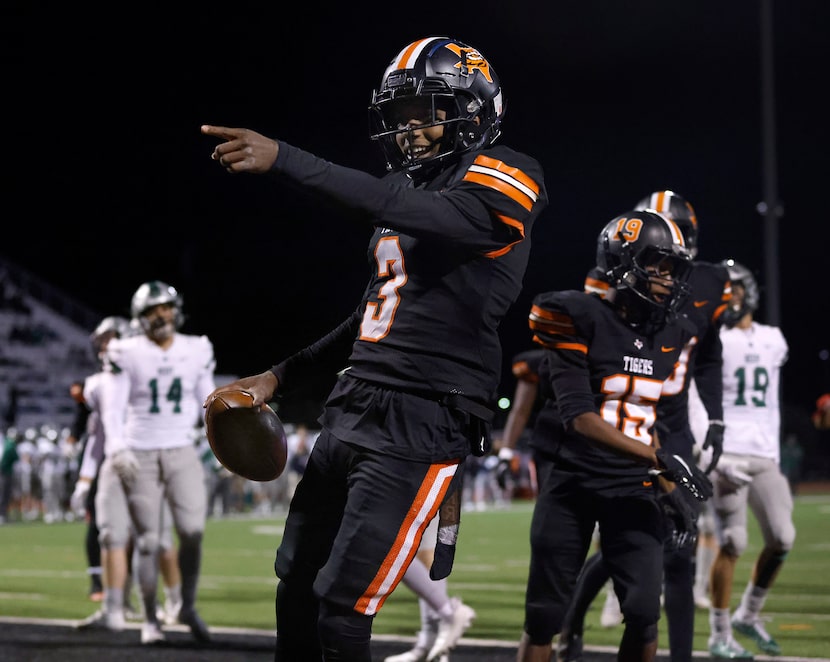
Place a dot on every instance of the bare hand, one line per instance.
(243, 150)
(261, 387)
(126, 465)
(78, 499)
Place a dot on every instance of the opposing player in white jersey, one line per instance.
(114, 537)
(748, 472)
(152, 394)
(112, 545)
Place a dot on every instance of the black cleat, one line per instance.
(569, 648)
(198, 629)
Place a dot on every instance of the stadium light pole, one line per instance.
(770, 208)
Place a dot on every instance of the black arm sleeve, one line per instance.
(324, 357)
(461, 212)
(708, 373)
(570, 381)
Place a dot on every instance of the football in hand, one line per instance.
(249, 441)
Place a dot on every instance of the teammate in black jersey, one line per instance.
(421, 351)
(595, 445)
(700, 359)
(527, 401)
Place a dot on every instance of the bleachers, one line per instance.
(44, 347)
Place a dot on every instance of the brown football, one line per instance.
(249, 441)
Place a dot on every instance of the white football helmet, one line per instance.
(155, 293)
(109, 327)
(741, 275)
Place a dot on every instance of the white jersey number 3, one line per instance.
(379, 315)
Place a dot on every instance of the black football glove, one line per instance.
(681, 519)
(677, 470)
(714, 440)
(449, 519)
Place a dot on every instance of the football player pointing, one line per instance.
(420, 354)
(595, 446)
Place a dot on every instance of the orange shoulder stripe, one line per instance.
(596, 285)
(494, 183)
(508, 180)
(571, 346)
(501, 166)
(550, 323)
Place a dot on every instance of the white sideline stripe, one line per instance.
(33, 597)
(464, 641)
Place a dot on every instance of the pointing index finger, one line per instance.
(221, 131)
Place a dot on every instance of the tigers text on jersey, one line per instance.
(152, 397)
(752, 361)
(597, 362)
(447, 260)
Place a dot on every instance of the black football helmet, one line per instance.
(153, 293)
(437, 73)
(739, 274)
(628, 247)
(678, 210)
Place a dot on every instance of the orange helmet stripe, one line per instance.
(407, 57)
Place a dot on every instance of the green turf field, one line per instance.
(42, 575)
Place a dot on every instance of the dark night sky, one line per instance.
(109, 182)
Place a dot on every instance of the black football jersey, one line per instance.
(526, 366)
(447, 260)
(702, 355)
(597, 362)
